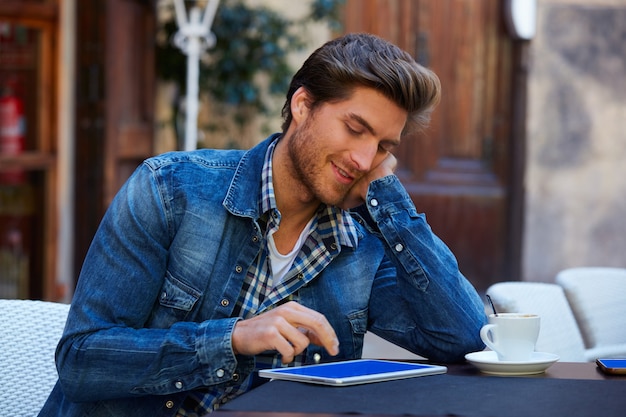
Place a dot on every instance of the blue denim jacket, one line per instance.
(151, 315)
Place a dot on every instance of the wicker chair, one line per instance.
(30, 332)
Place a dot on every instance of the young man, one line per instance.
(211, 264)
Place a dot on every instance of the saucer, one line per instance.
(487, 361)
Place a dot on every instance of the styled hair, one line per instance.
(333, 71)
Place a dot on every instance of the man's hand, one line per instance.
(357, 194)
(287, 329)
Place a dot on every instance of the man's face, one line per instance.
(338, 143)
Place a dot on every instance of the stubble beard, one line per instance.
(308, 161)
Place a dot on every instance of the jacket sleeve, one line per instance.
(420, 299)
(108, 349)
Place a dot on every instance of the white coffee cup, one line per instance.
(511, 335)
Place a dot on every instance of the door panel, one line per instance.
(114, 104)
(130, 86)
(457, 171)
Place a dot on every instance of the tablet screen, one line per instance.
(352, 372)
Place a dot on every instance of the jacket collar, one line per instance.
(242, 197)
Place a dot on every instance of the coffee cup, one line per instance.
(511, 335)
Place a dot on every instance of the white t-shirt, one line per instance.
(282, 263)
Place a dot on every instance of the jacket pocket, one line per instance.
(358, 323)
(175, 302)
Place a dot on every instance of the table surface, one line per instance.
(560, 370)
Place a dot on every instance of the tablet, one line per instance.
(352, 372)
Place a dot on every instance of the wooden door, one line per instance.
(115, 104)
(460, 171)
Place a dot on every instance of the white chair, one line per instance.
(28, 337)
(559, 332)
(375, 347)
(597, 296)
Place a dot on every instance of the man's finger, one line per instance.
(316, 325)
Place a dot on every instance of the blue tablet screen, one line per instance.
(352, 368)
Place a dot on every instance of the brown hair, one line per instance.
(332, 72)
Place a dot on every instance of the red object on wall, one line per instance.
(16, 202)
(12, 134)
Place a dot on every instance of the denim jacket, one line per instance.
(151, 315)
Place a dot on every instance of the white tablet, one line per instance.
(352, 372)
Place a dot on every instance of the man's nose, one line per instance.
(363, 155)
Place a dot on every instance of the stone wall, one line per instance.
(576, 144)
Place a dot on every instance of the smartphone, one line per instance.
(612, 366)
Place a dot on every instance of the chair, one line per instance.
(597, 296)
(375, 347)
(28, 338)
(559, 333)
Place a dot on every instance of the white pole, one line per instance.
(181, 14)
(66, 153)
(193, 73)
(193, 37)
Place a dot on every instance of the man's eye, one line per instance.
(387, 147)
(353, 131)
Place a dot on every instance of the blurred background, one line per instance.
(521, 172)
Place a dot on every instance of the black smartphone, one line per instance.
(612, 366)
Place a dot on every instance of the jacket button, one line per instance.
(399, 247)
(224, 302)
(235, 377)
(255, 239)
(178, 385)
(220, 373)
(374, 202)
(169, 404)
(238, 269)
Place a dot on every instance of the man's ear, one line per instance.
(300, 105)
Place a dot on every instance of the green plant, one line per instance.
(251, 43)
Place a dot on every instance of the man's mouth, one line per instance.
(343, 175)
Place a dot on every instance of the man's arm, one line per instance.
(107, 351)
(425, 301)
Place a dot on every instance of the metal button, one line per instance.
(220, 373)
(333, 246)
(224, 302)
(235, 377)
(238, 269)
(300, 275)
(255, 238)
(169, 404)
(178, 385)
(163, 295)
(399, 247)
(374, 202)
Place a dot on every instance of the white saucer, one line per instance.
(487, 361)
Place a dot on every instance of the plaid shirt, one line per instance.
(331, 227)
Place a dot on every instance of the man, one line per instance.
(211, 264)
